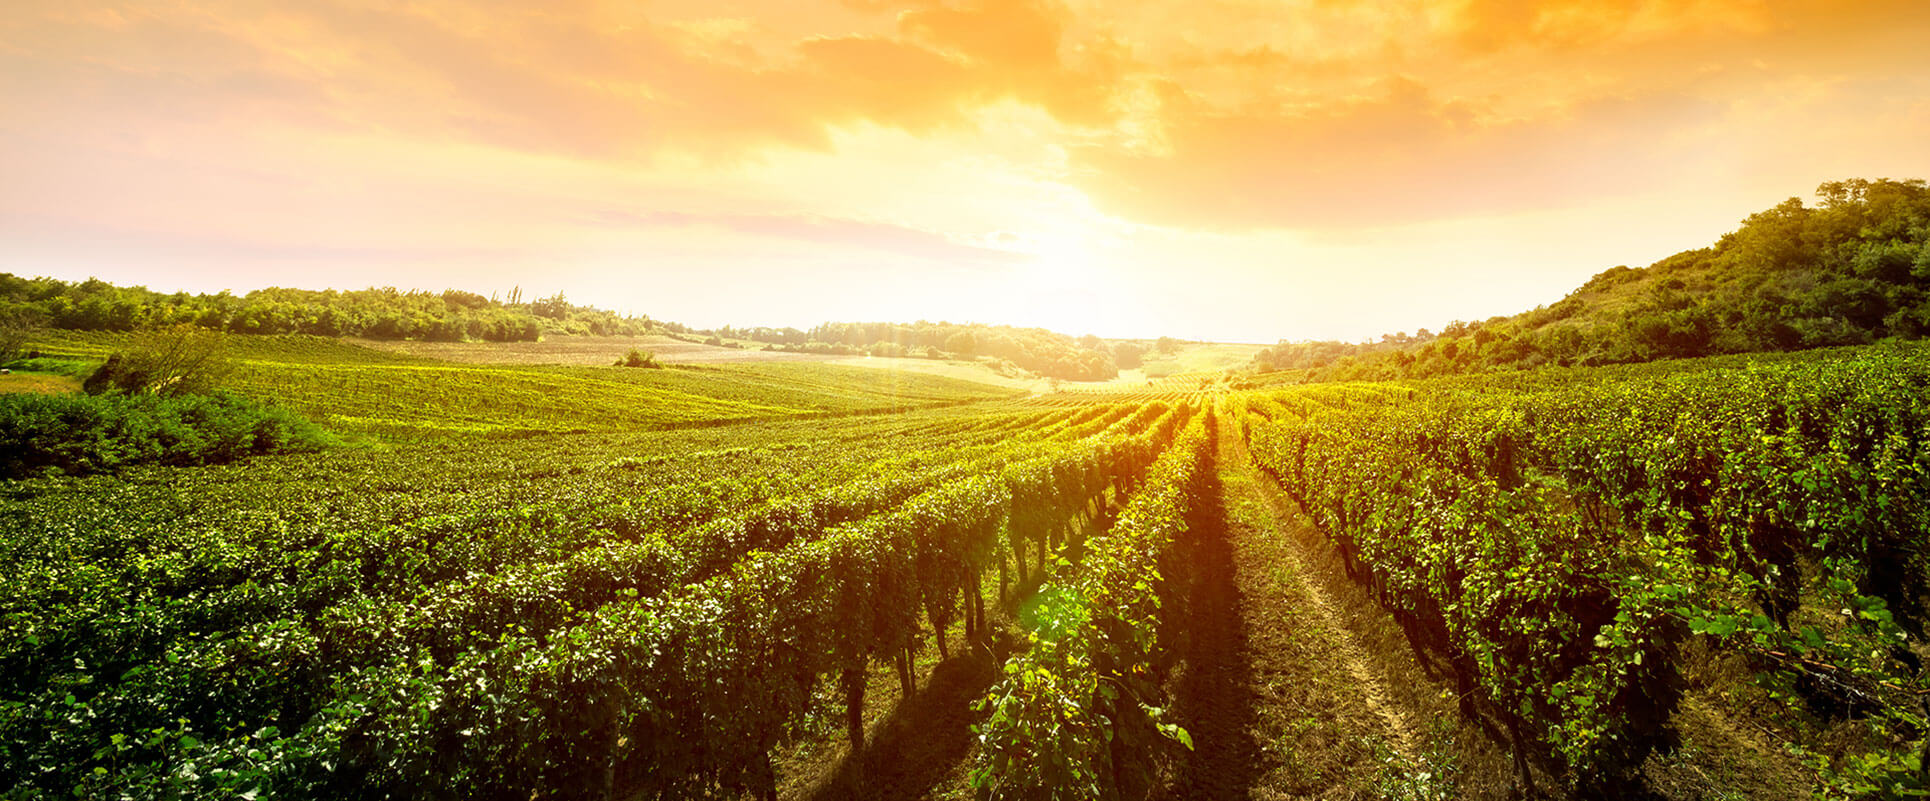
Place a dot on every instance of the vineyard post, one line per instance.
(940, 621)
(854, 682)
(1017, 543)
(766, 777)
(1004, 580)
(1521, 754)
(970, 610)
(903, 659)
(978, 602)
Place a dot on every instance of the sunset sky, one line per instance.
(1221, 169)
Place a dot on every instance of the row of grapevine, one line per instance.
(545, 596)
(1077, 713)
(319, 676)
(73, 609)
(688, 690)
(72, 552)
(190, 535)
(1562, 542)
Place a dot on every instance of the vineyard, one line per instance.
(1688, 580)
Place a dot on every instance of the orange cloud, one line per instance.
(1397, 156)
(1217, 114)
(1486, 107)
(579, 82)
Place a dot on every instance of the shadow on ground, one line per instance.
(1213, 696)
(921, 741)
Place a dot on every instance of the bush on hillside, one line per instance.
(14, 332)
(79, 434)
(177, 360)
(638, 358)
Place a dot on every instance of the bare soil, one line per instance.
(1277, 696)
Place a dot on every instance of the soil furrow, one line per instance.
(1271, 687)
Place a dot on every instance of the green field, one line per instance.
(1200, 358)
(814, 580)
(582, 351)
(976, 372)
(369, 390)
(1187, 365)
(38, 382)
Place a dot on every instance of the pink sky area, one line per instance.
(1220, 169)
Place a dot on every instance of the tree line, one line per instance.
(1047, 353)
(455, 315)
(381, 313)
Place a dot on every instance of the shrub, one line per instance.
(14, 332)
(179, 360)
(638, 358)
(93, 433)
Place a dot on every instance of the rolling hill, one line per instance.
(1849, 271)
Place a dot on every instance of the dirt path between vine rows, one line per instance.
(1290, 681)
(1279, 697)
(1374, 693)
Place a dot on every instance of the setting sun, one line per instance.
(1311, 153)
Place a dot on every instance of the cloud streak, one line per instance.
(1412, 112)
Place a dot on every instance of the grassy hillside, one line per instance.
(974, 371)
(351, 387)
(1048, 354)
(1203, 357)
(43, 383)
(461, 326)
(586, 351)
(1854, 269)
